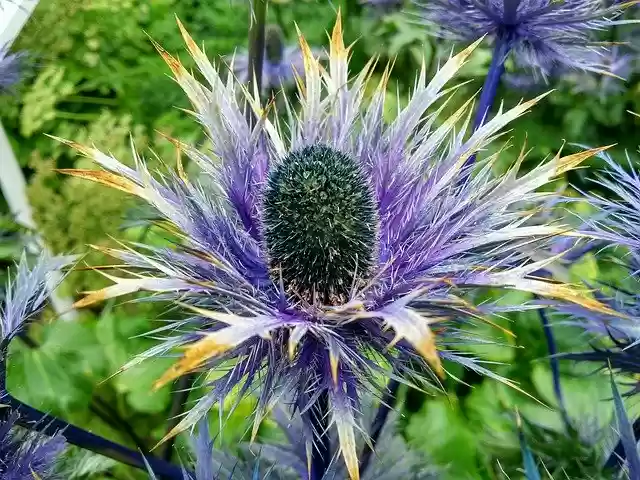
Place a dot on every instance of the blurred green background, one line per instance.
(97, 79)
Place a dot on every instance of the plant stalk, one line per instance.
(555, 368)
(490, 87)
(257, 22)
(178, 403)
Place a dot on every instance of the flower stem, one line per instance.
(257, 21)
(321, 456)
(555, 368)
(491, 82)
(386, 404)
(178, 402)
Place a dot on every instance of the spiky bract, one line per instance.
(616, 223)
(26, 295)
(393, 460)
(281, 64)
(542, 33)
(26, 455)
(439, 238)
(10, 68)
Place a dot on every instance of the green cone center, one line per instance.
(320, 223)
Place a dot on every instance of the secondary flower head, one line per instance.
(212, 464)
(542, 33)
(10, 66)
(617, 223)
(26, 455)
(26, 295)
(281, 63)
(333, 245)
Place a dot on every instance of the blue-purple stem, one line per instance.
(257, 33)
(555, 367)
(35, 420)
(490, 86)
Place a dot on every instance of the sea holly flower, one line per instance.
(541, 33)
(10, 67)
(619, 67)
(212, 464)
(617, 225)
(25, 296)
(27, 455)
(332, 247)
(281, 63)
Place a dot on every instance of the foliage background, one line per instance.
(97, 79)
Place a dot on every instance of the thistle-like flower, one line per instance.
(542, 33)
(617, 223)
(25, 455)
(10, 66)
(337, 247)
(281, 63)
(26, 295)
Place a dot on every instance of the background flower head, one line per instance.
(542, 33)
(10, 68)
(26, 294)
(25, 455)
(281, 62)
(334, 249)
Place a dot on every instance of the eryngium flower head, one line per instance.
(618, 221)
(26, 295)
(334, 245)
(542, 33)
(212, 464)
(281, 63)
(10, 66)
(26, 455)
(319, 223)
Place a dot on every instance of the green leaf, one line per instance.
(586, 397)
(137, 385)
(49, 386)
(585, 270)
(439, 431)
